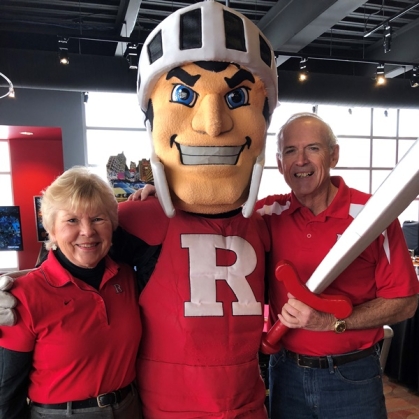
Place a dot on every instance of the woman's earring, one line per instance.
(54, 247)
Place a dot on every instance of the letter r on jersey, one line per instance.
(204, 272)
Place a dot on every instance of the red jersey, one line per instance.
(202, 313)
(383, 269)
(84, 341)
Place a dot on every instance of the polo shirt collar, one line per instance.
(57, 276)
(339, 207)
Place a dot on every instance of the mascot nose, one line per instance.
(212, 117)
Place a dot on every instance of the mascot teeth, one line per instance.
(191, 155)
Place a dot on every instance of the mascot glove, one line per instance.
(7, 302)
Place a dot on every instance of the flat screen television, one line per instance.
(10, 228)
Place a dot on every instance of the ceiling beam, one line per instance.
(289, 29)
(402, 49)
(128, 24)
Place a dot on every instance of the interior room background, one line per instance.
(372, 141)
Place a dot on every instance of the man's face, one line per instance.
(208, 129)
(306, 157)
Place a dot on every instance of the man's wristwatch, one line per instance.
(339, 326)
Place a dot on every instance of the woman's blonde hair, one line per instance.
(77, 189)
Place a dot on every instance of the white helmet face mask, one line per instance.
(206, 31)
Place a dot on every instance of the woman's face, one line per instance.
(83, 237)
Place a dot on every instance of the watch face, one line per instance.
(340, 326)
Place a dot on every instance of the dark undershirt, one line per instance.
(92, 276)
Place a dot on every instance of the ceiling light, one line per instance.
(380, 76)
(414, 81)
(85, 97)
(131, 55)
(387, 38)
(303, 74)
(63, 51)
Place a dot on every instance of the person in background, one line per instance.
(73, 351)
(329, 368)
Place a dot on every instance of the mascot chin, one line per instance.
(207, 85)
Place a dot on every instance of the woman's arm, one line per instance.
(14, 379)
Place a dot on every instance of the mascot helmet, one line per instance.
(206, 31)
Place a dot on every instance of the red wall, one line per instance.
(35, 163)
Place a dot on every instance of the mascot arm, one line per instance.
(144, 219)
(136, 253)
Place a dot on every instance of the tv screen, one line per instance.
(10, 228)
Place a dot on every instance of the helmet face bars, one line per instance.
(205, 31)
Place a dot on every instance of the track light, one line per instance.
(414, 81)
(387, 38)
(63, 51)
(85, 97)
(380, 76)
(303, 74)
(131, 55)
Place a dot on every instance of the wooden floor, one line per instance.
(401, 402)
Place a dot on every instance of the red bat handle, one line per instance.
(270, 340)
(339, 305)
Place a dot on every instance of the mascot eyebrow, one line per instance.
(239, 77)
(183, 75)
(190, 80)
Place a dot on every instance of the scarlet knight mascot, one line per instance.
(207, 85)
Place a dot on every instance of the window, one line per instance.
(371, 141)
(115, 125)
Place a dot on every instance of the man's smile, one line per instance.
(210, 155)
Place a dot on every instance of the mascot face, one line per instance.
(209, 123)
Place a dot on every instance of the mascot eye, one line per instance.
(237, 97)
(184, 95)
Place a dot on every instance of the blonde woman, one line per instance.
(74, 349)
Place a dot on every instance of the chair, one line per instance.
(388, 336)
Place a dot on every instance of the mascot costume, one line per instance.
(207, 85)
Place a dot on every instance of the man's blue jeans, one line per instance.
(350, 391)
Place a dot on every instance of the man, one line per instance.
(329, 368)
(208, 86)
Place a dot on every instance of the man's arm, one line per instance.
(371, 314)
(14, 379)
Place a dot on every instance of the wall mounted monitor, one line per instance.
(10, 228)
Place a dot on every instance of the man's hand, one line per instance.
(7, 302)
(297, 315)
(143, 193)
